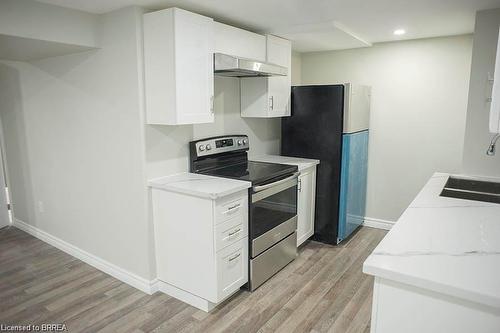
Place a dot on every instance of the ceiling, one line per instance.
(318, 25)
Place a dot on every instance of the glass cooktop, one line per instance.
(255, 172)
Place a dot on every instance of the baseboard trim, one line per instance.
(378, 223)
(147, 286)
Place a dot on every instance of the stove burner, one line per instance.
(228, 158)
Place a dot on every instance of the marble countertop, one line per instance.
(447, 245)
(199, 185)
(301, 163)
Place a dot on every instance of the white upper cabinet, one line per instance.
(268, 97)
(238, 42)
(495, 95)
(178, 59)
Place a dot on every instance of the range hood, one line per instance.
(227, 65)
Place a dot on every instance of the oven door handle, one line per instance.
(260, 188)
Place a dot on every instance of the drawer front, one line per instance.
(231, 207)
(232, 268)
(272, 261)
(230, 231)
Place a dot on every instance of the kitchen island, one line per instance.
(438, 269)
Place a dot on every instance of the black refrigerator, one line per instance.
(321, 127)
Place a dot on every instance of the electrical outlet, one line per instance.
(41, 207)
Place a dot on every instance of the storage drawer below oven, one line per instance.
(272, 261)
(265, 241)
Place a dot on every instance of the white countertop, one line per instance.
(199, 185)
(301, 163)
(447, 245)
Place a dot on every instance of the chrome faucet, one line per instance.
(491, 148)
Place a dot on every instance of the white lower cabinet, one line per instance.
(232, 268)
(228, 232)
(306, 204)
(399, 307)
(201, 246)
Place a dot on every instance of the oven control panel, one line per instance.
(224, 143)
(217, 145)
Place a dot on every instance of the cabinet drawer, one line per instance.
(232, 268)
(231, 207)
(230, 231)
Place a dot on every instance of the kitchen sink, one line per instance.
(471, 189)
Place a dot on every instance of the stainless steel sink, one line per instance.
(471, 189)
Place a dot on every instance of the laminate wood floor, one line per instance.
(323, 290)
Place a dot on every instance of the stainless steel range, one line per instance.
(272, 201)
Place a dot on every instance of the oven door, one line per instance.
(273, 213)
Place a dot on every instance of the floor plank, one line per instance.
(323, 290)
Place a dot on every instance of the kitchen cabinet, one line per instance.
(201, 241)
(238, 42)
(306, 204)
(178, 62)
(495, 95)
(268, 97)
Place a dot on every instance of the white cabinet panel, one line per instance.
(399, 307)
(232, 268)
(306, 205)
(230, 207)
(200, 261)
(238, 42)
(178, 60)
(269, 97)
(279, 52)
(495, 95)
(230, 231)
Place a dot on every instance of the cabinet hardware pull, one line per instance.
(234, 257)
(233, 207)
(271, 102)
(232, 233)
(212, 104)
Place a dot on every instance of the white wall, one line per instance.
(74, 140)
(167, 146)
(419, 100)
(477, 136)
(296, 68)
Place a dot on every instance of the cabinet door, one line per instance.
(178, 63)
(268, 97)
(305, 211)
(232, 268)
(495, 95)
(238, 42)
(194, 45)
(279, 52)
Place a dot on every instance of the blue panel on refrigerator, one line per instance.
(353, 182)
